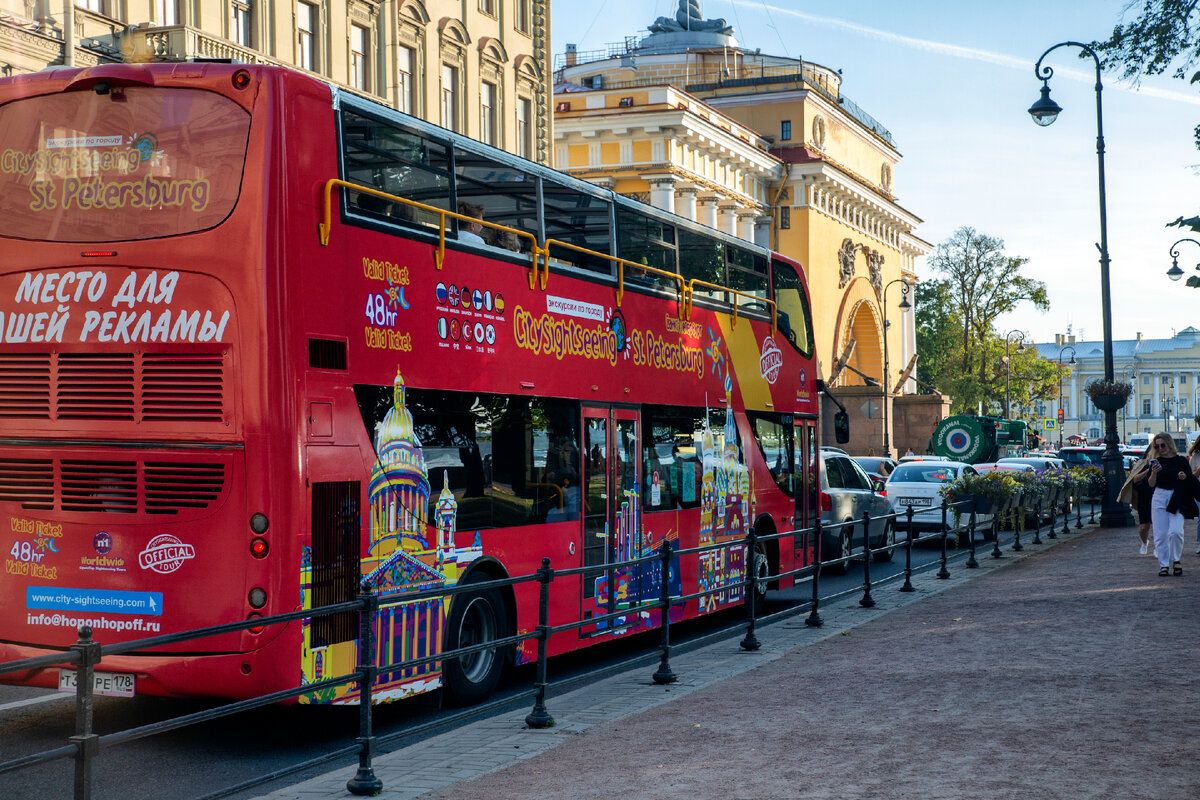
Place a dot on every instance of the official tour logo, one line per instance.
(102, 542)
(165, 554)
(771, 360)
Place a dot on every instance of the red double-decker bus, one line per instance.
(257, 354)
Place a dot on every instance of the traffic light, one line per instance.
(1060, 416)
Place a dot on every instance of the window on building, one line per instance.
(91, 5)
(785, 217)
(1183, 380)
(785, 130)
(1166, 380)
(1146, 407)
(404, 61)
(359, 66)
(1145, 380)
(449, 97)
(523, 16)
(487, 113)
(524, 128)
(306, 32)
(240, 22)
(488, 7)
(166, 12)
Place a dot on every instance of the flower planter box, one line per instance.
(1109, 402)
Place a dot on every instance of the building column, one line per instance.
(662, 191)
(745, 223)
(762, 230)
(706, 213)
(685, 201)
(727, 217)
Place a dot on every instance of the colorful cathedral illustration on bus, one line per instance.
(409, 553)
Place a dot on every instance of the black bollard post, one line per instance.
(971, 562)
(539, 717)
(1018, 522)
(1092, 510)
(996, 535)
(813, 620)
(1050, 534)
(1079, 510)
(944, 573)
(867, 601)
(664, 674)
(750, 640)
(365, 782)
(908, 543)
(1037, 522)
(87, 743)
(1066, 512)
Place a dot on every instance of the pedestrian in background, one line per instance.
(1137, 492)
(1194, 464)
(1169, 472)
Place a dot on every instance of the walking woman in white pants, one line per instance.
(1168, 471)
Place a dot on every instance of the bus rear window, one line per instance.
(136, 163)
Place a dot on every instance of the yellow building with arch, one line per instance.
(769, 149)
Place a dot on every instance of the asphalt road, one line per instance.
(195, 761)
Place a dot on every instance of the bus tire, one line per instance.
(475, 618)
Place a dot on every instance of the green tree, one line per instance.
(979, 283)
(1166, 32)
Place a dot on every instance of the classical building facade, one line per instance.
(479, 67)
(769, 149)
(1165, 374)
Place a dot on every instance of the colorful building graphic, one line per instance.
(726, 505)
(405, 554)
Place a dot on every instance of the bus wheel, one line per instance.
(762, 572)
(475, 618)
(889, 541)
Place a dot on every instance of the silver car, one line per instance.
(845, 494)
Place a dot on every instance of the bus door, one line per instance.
(612, 514)
(807, 490)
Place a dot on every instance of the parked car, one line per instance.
(1082, 456)
(846, 492)
(1038, 462)
(918, 484)
(877, 468)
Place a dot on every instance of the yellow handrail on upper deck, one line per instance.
(687, 288)
(323, 229)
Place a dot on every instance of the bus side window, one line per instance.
(645, 240)
(399, 162)
(747, 273)
(703, 258)
(508, 196)
(579, 219)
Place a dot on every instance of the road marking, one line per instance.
(32, 701)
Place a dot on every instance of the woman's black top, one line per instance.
(1168, 475)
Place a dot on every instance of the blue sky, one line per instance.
(952, 81)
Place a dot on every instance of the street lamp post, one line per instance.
(1175, 273)
(1070, 363)
(1113, 514)
(887, 377)
(1008, 368)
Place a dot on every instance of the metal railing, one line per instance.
(85, 745)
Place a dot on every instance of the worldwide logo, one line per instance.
(771, 360)
(165, 554)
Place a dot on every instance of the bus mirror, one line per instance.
(841, 427)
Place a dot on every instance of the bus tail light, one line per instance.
(259, 547)
(241, 79)
(826, 502)
(259, 523)
(258, 628)
(257, 597)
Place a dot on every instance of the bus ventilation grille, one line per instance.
(131, 387)
(125, 487)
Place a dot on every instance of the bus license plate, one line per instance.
(112, 684)
(914, 501)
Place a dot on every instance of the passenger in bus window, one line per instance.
(469, 230)
(505, 239)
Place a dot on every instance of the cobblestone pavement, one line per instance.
(1069, 670)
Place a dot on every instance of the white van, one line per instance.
(1141, 440)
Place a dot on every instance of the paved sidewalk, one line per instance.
(1067, 671)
